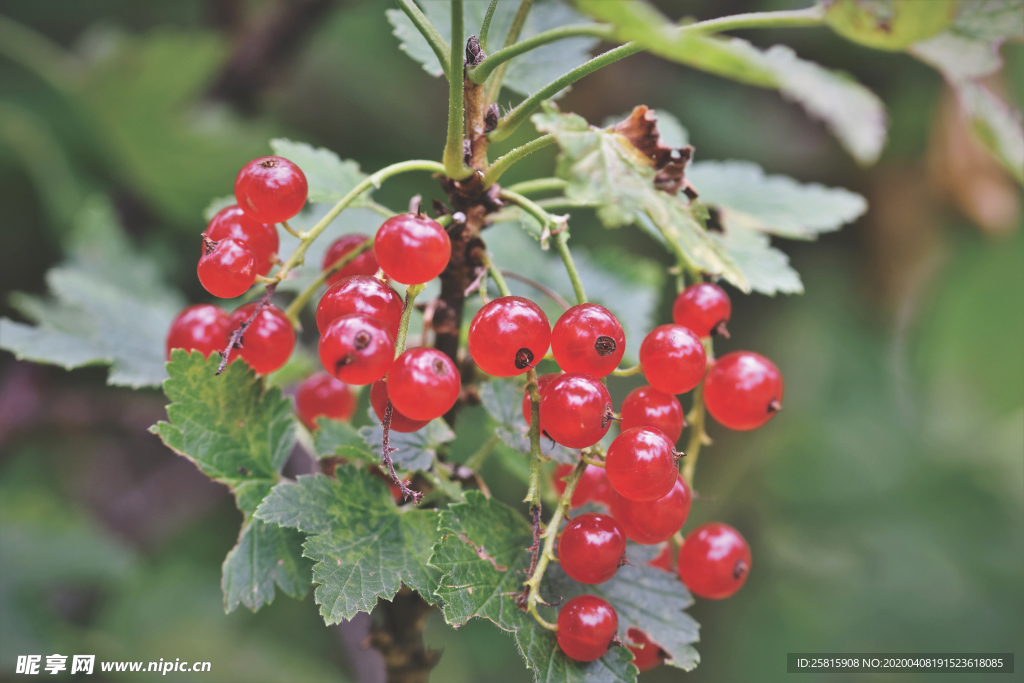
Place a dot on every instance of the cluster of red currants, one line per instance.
(640, 482)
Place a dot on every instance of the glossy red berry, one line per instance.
(593, 486)
(648, 407)
(641, 464)
(646, 655)
(424, 383)
(203, 327)
(360, 294)
(673, 358)
(271, 189)
(586, 626)
(591, 548)
(261, 238)
(743, 390)
(714, 561)
(664, 559)
(588, 338)
(364, 264)
(542, 383)
(323, 396)
(227, 269)
(704, 308)
(357, 349)
(399, 422)
(412, 249)
(656, 521)
(575, 410)
(268, 342)
(508, 336)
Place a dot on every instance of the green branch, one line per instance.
(497, 276)
(485, 27)
(403, 326)
(453, 158)
(423, 25)
(698, 436)
(296, 306)
(539, 185)
(502, 164)
(512, 120)
(479, 73)
(536, 457)
(494, 87)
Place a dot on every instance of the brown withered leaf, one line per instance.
(641, 129)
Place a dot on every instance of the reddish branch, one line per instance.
(387, 450)
(235, 341)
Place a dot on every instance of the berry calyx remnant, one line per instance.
(704, 308)
(508, 336)
(588, 338)
(399, 422)
(714, 561)
(575, 410)
(364, 264)
(641, 464)
(227, 269)
(412, 249)
(743, 390)
(202, 327)
(360, 294)
(593, 486)
(320, 395)
(357, 349)
(261, 239)
(648, 407)
(269, 341)
(673, 359)
(656, 521)
(591, 548)
(271, 189)
(586, 627)
(423, 383)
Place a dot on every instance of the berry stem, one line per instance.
(502, 163)
(695, 418)
(296, 306)
(497, 275)
(483, 70)
(403, 327)
(475, 461)
(290, 230)
(589, 460)
(627, 372)
(561, 243)
(453, 157)
(423, 25)
(538, 185)
(536, 457)
(539, 287)
(494, 87)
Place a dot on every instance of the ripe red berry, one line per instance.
(656, 521)
(399, 422)
(228, 269)
(361, 294)
(202, 327)
(641, 464)
(673, 359)
(586, 626)
(714, 561)
(588, 338)
(261, 238)
(542, 382)
(268, 342)
(508, 335)
(664, 559)
(575, 410)
(412, 249)
(743, 390)
(648, 407)
(591, 548)
(593, 486)
(357, 349)
(646, 655)
(271, 189)
(423, 383)
(704, 308)
(323, 396)
(364, 264)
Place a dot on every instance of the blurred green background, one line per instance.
(883, 506)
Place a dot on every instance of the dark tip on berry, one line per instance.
(269, 163)
(347, 359)
(740, 570)
(209, 244)
(524, 359)
(608, 416)
(678, 454)
(439, 367)
(775, 406)
(361, 341)
(616, 641)
(720, 330)
(624, 560)
(605, 346)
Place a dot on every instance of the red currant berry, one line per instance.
(588, 338)
(648, 407)
(704, 308)
(228, 269)
(271, 189)
(542, 382)
(673, 359)
(268, 342)
(399, 422)
(641, 464)
(364, 264)
(592, 487)
(646, 655)
(743, 390)
(424, 383)
(203, 327)
(714, 561)
(361, 294)
(575, 410)
(412, 249)
(656, 521)
(323, 396)
(664, 559)
(591, 548)
(586, 626)
(357, 349)
(508, 335)
(262, 239)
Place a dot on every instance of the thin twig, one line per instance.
(539, 287)
(235, 341)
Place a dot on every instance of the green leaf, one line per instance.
(526, 73)
(340, 439)
(416, 450)
(240, 435)
(766, 268)
(852, 112)
(363, 545)
(889, 24)
(549, 664)
(502, 399)
(745, 197)
(329, 177)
